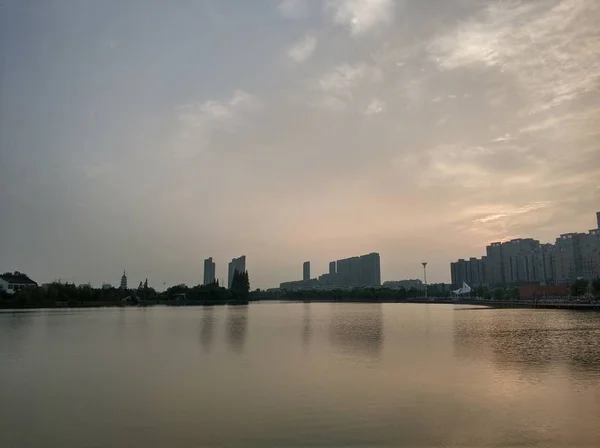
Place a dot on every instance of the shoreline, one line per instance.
(530, 304)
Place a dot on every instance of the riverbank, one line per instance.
(543, 304)
(546, 304)
(17, 305)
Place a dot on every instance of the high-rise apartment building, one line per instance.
(598, 220)
(495, 272)
(332, 269)
(344, 276)
(359, 271)
(370, 266)
(543, 264)
(525, 260)
(306, 271)
(566, 257)
(577, 255)
(516, 260)
(209, 271)
(472, 271)
(236, 264)
(590, 255)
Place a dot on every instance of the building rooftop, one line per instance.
(17, 278)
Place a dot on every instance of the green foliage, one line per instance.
(486, 295)
(200, 294)
(63, 294)
(240, 285)
(579, 287)
(499, 294)
(596, 287)
(512, 294)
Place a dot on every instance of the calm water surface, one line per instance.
(300, 375)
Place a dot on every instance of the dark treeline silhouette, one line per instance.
(240, 285)
(68, 295)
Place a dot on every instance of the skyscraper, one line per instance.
(370, 270)
(306, 271)
(359, 271)
(598, 219)
(236, 264)
(209, 271)
(332, 269)
(495, 271)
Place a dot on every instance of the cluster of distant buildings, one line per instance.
(404, 284)
(361, 271)
(236, 264)
(526, 260)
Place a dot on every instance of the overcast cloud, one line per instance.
(150, 135)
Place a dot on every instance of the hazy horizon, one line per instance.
(149, 135)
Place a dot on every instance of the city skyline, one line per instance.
(357, 271)
(571, 256)
(476, 271)
(139, 135)
(470, 274)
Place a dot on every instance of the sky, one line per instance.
(148, 135)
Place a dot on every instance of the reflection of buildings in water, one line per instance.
(121, 319)
(507, 340)
(142, 319)
(357, 328)
(581, 346)
(237, 322)
(306, 326)
(470, 333)
(527, 341)
(207, 325)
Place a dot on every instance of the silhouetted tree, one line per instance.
(596, 287)
(579, 287)
(240, 285)
(499, 293)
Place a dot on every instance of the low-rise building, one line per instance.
(10, 283)
(403, 284)
(299, 285)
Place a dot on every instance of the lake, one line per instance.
(295, 374)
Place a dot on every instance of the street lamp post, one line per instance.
(425, 276)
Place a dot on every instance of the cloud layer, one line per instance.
(312, 131)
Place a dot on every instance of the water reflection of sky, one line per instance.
(357, 329)
(237, 323)
(331, 374)
(531, 342)
(207, 328)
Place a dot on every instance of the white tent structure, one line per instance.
(463, 290)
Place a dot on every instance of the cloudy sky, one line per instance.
(148, 135)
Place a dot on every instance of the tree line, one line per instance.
(59, 294)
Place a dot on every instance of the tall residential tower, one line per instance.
(209, 271)
(236, 264)
(306, 271)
